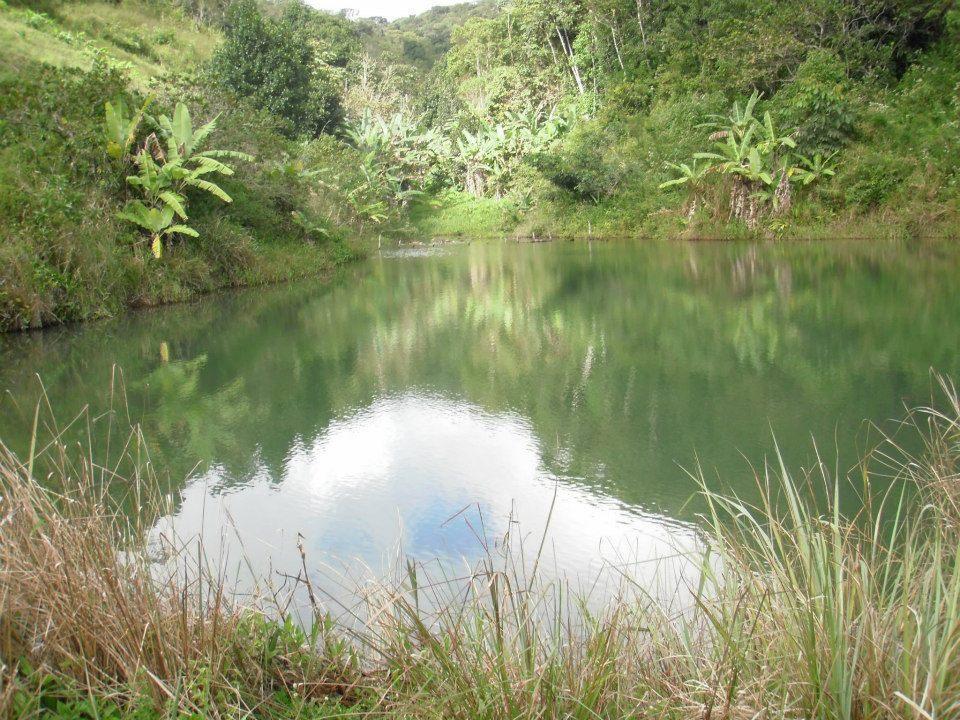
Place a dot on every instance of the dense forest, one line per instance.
(154, 149)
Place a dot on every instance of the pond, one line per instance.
(432, 400)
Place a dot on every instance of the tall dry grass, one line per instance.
(800, 610)
(84, 598)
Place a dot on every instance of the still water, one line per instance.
(430, 400)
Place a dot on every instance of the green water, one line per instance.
(428, 396)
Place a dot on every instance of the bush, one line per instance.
(817, 103)
(873, 180)
(273, 61)
(583, 164)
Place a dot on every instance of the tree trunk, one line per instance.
(568, 51)
(783, 198)
(616, 46)
(475, 183)
(643, 32)
(744, 204)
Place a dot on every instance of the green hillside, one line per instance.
(692, 118)
(65, 253)
(155, 39)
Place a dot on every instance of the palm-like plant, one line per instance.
(165, 176)
(771, 142)
(399, 158)
(738, 122)
(758, 159)
(310, 227)
(809, 170)
(158, 221)
(693, 176)
(732, 152)
(185, 163)
(488, 155)
(120, 128)
(477, 153)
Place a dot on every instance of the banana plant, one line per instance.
(733, 151)
(810, 170)
(164, 177)
(156, 220)
(187, 165)
(156, 183)
(119, 128)
(692, 175)
(738, 122)
(750, 163)
(399, 158)
(309, 227)
(476, 155)
(755, 170)
(758, 160)
(771, 141)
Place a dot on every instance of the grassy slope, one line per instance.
(171, 42)
(456, 214)
(63, 254)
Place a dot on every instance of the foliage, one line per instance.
(276, 62)
(405, 158)
(165, 176)
(817, 102)
(490, 156)
(421, 40)
(120, 128)
(869, 86)
(638, 71)
(64, 253)
(758, 160)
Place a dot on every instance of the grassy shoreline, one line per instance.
(273, 267)
(800, 611)
(456, 215)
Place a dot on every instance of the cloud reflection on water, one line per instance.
(425, 477)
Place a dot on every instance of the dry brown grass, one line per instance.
(83, 598)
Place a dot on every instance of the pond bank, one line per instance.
(457, 215)
(185, 279)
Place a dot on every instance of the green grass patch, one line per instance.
(456, 214)
(151, 40)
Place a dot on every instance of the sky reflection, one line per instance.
(423, 477)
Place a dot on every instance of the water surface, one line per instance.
(430, 400)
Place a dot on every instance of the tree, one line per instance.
(277, 62)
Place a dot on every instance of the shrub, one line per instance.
(164, 175)
(274, 62)
(817, 103)
(872, 180)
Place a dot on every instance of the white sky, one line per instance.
(390, 9)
